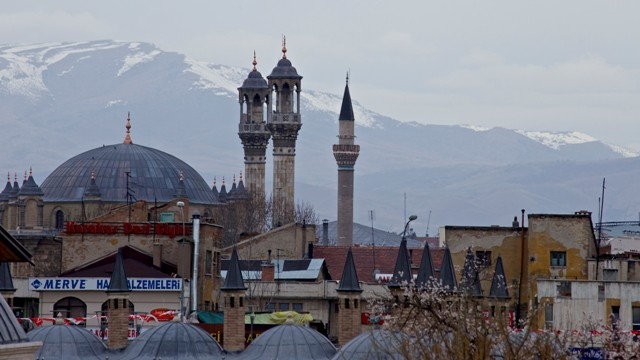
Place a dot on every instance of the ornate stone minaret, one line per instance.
(346, 154)
(253, 96)
(284, 122)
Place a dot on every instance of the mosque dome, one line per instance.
(174, 340)
(290, 341)
(67, 342)
(375, 344)
(151, 175)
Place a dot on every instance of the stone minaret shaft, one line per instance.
(284, 122)
(253, 96)
(346, 154)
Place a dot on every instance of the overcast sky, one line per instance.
(537, 65)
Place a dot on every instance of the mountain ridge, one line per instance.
(71, 97)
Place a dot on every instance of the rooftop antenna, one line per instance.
(372, 215)
(600, 211)
(428, 221)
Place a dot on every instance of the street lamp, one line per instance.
(411, 218)
(180, 204)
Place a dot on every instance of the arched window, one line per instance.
(70, 307)
(59, 219)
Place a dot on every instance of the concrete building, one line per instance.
(551, 247)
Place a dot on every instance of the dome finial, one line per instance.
(25, 175)
(240, 175)
(181, 176)
(284, 46)
(223, 181)
(254, 62)
(127, 138)
(234, 178)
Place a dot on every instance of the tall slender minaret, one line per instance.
(284, 122)
(346, 154)
(253, 96)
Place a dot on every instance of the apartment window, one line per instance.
(483, 258)
(283, 306)
(167, 217)
(559, 258)
(270, 307)
(635, 318)
(207, 305)
(548, 316)
(208, 263)
(610, 274)
(564, 289)
(297, 307)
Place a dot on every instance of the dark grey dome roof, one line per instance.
(375, 344)
(174, 340)
(66, 342)
(284, 69)
(154, 175)
(254, 81)
(290, 341)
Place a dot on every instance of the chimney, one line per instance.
(325, 232)
(268, 271)
(515, 223)
(157, 254)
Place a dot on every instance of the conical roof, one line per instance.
(6, 282)
(425, 272)
(222, 195)
(118, 282)
(6, 193)
(346, 111)
(402, 270)
(234, 280)
(30, 187)
(16, 188)
(92, 190)
(349, 281)
(447, 273)
(470, 281)
(499, 288)
(289, 341)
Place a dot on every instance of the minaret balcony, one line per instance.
(285, 118)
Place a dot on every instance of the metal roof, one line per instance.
(64, 342)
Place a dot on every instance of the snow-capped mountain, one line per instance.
(59, 99)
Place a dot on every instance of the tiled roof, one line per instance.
(363, 256)
(135, 262)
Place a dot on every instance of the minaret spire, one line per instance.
(284, 46)
(127, 137)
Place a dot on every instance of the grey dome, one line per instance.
(174, 340)
(254, 81)
(67, 342)
(290, 341)
(375, 344)
(154, 175)
(284, 69)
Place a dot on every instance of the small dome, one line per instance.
(174, 340)
(254, 81)
(375, 344)
(290, 341)
(67, 342)
(284, 69)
